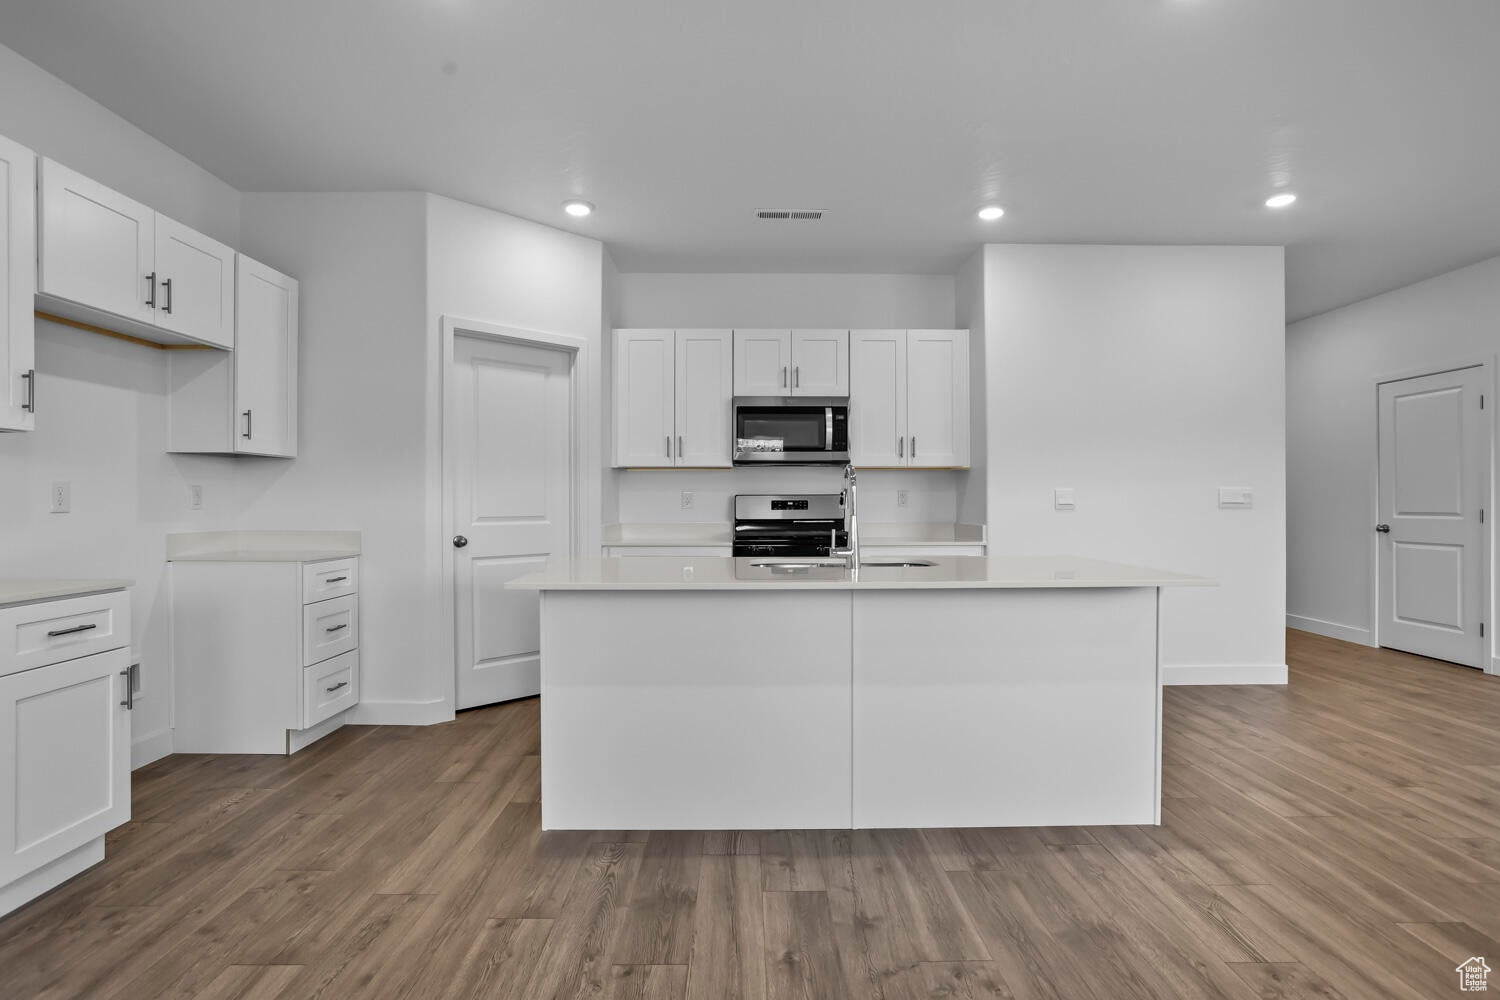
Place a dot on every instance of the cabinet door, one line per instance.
(644, 408)
(17, 286)
(97, 246)
(265, 361)
(762, 362)
(937, 398)
(705, 397)
(877, 397)
(195, 284)
(820, 362)
(65, 776)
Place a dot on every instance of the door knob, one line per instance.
(459, 541)
(1384, 529)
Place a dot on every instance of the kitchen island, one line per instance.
(721, 693)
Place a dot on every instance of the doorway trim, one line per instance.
(584, 456)
(1491, 661)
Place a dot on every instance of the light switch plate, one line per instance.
(195, 497)
(1237, 497)
(1063, 498)
(901, 498)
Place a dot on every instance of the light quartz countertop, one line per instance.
(262, 546)
(946, 573)
(894, 533)
(28, 591)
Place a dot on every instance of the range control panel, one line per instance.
(789, 505)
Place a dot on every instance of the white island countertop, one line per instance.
(945, 573)
(25, 591)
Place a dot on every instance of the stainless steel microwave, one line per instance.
(791, 430)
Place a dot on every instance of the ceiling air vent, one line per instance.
(789, 214)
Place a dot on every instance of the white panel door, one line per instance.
(97, 247)
(265, 361)
(65, 775)
(937, 398)
(17, 286)
(877, 398)
(762, 362)
(513, 496)
(1433, 481)
(196, 278)
(820, 362)
(705, 398)
(645, 418)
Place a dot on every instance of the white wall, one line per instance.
(725, 301)
(1333, 361)
(101, 423)
(969, 291)
(1145, 378)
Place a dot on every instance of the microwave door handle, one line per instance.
(828, 428)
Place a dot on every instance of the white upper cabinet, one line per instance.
(705, 397)
(673, 397)
(877, 401)
(762, 362)
(244, 402)
(111, 261)
(644, 398)
(820, 362)
(195, 277)
(17, 286)
(937, 398)
(909, 398)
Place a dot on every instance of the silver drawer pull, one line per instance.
(70, 631)
(340, 684)
(336, 579)
(335, 628)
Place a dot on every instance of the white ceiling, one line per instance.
(1135, 121)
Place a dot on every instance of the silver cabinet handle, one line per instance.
(679, 446)
(166, 293)
(901, 446)
(797, 377)
(129, 673)
(151, 295)
(336, 579)
(669, 446)
(249, 416)
(335, 628)
(340, 684)
(30, 376)
(70, 631)
(783, 376)
(913, 446)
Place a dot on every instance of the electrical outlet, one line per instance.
(687, 499)
(62, 497)
(195, 497)
(901, 498)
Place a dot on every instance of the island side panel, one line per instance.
(683, 710)
(1005, 708)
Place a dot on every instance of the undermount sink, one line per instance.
(898, 563)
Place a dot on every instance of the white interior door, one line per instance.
(1433, 484)
(513, 494)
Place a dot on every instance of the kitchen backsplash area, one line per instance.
(658, 497)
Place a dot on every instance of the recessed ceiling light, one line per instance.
(990, 213)
(1281, 200)
(578, 208)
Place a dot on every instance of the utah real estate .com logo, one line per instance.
(1473, 976)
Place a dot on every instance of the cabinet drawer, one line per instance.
(329, 628)
(335, 578)
(34, 635)
(329, 687)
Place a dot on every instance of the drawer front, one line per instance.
(329, 687)
(34, 635)
(329, 628)
(324, 580)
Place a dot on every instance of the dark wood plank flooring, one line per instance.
(1336, 838)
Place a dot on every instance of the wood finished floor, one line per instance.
(1336, 838)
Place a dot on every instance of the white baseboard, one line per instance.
(1332, 630)
(401, 713)
(1248, 673)
(151, 747)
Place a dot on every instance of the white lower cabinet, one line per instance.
(64, 749)
(264, 659)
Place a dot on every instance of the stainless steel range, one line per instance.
(797, 526)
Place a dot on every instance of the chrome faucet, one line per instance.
(850, 553)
